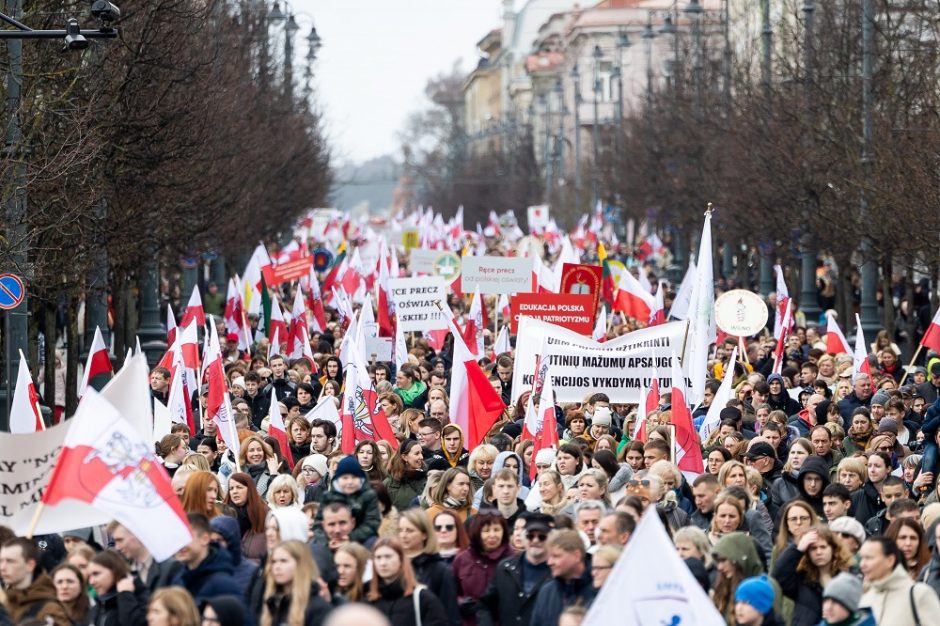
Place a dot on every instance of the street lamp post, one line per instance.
(869, 306)
(694, 11)
(809, 299)
(623, 42)
(560, 143)
(648, 36)
(766, 47)
(546, 150)
(576, 79)
(595, 135)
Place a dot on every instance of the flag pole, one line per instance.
(33, 523)
(685, 339)
(903, 378)
(42, 422)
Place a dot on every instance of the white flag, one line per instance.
(720, 399)
(650, 585)
(680, 304)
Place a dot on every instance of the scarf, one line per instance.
(454, 503)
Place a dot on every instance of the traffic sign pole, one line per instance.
(13, 304)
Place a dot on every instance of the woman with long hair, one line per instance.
(305, 396)
(406, 474)
(592, 485)
(715, 458)
(451, 536)
(475, 566)
(736, 558)
(333, 371)
(795, 519)
(787, 487)
(259, 462)
(632, 455)
(728, 518)
(617, 474)
(292, 588)
(121, 597)
(419, 542)
(866, 502)
(393, 587)
(452, 494)
(201, 495)
(552, 491)
(172, 606)
(911, 540)
(370, 459)
(250, 512)
(298, 436)
(70, 591)
(351, 560)
(393, 407)
(804, 568)
(385, 454)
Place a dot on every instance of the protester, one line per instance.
(394, 591)
(120, 597)
(70, 589)
(475, 566)
(292, 588)
(418, 540)
(172, 606)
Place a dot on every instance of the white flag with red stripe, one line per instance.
(24, 409)
(276, 322)
(632, 299)
(600, 326)
(502, 345)
(218, 402)
(720, 399)
(99, 362)
(194, 310)
(835, 339)
(649, 404)
(278, 430)
(860, 364)
(658, 313)
(170, 326)
(540, 424)
(180, 399)
(783, 297)
(298, 326)
(688, 448)
(931, 339)
(780, 350)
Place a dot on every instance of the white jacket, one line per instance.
(890, 600)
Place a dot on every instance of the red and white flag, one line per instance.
(541, 424)
(688, 447)
(383, 303)
(600, 326)
(277, 322)
(473, 329)
(298, 324)
(632, 299)
(502, 345)
(170, 326)
(780, 350)
(474, 404)
(107, 465)
(180, 399)
(99, 362)
(502, 307)
(259, 263)
(650, 403)
(24, 409)
(860, 364)
(658, 314)
(931, 339)
(783, 297)
(719, 400)
(278, 430)
(194, 310)
(218, 402)
(362, 415)
(401, 347)
(835, 340)
(316, 303)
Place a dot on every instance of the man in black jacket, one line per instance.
(571, 583)
(510, 596)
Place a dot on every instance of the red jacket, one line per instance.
(473, 572)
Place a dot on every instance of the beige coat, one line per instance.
(890, 600)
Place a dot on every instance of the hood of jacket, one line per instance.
(814, 465)
(229, 609)
(217, 561)
(41, 589)
(739, 548)
(452, 460)
(228, 528)
(500, 463)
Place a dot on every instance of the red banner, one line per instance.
(572, 311)
(577, 279)
(286, 272)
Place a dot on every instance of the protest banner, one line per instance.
(417, 302)
(287, 271)
(379, 349)
(620, 367)
(572, 311)
(421, 261)
(579, 278)
(497, 274)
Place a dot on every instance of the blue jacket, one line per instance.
(212, 577)
(557, 595)
(243, 568)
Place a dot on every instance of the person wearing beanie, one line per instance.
(350, 487)
(314, 470)
(840, 603)
(754, 602)
(851, 530)
(600, 425)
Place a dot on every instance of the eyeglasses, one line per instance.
(885, 448)
(308, 470)
(800, 518)
(444, 528)
(533, 536)
(638, 483)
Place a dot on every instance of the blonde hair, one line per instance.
(305, 574)
(419, 519)
(179, 604)
(698, 538)
(284, 482)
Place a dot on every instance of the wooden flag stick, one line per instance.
(33, 523)
(913, 360)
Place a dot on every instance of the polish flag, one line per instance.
(194, 310)
(259, 263)
(502, 345)
(474, 404)
(98, 362)
(650, 403)
(298, 324)
(106, 465)
(179, 400)
(384, 304)
(274, 348)
(688, 447)
(600, 327)
(931, 339)
(783, 297)
(540, 425)
(401, 347)
(278, 430)
(473, 330)
(170, 326)
(632, 299)
(502, 307)
(720, 400)
(316, 304)
(361, 414)
(860, 364)
(218, 402)
(24, 409)
(835, 340)
(277, 322)
(658, 314)
(780, 350)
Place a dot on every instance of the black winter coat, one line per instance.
(212, 577)
(399, 608)
(314, 615)
(866, 502)
(433, 572)
(807, 596)
(121, 608)
(505, 602)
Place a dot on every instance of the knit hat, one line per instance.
(318, 463)
(881, 398)
(848, 526)
(730, 413)
(888, 425)
(239, 381)
(349, 465)
(545, 456)
(757, 592)
(930, 514)
(601, 416)
(845, 589)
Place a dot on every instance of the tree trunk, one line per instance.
(911, 320)
(119, 302)
(49, 331)
(887, 269)
(71, 356)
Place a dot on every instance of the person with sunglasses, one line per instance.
(510, 595)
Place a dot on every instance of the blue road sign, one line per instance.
(12, 291)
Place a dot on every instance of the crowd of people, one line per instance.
(818, 503)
